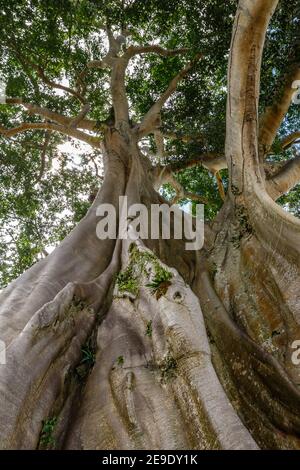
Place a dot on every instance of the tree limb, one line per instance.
(51, 115)
(25, 62)
(114, 44)
(290, 140)
(187, 195)
(151, 119)
(66, 130)
(77, 120)
(248, 36)
(284, 180)
(52, 84)
(211, 161)
(118, 91)
(273, 116)
(108, 61)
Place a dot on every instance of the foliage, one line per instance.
(127, 281)
(88, 355)
(120, 360)
(291, 201)
(168, 367)
(46, 438)
(160, 281)
(88, 359)
(149, 329)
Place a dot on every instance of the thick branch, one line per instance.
(165, 174)
(290, 140)
(53, 116)
(211, 161)
(247, 43)
(283, 181)
(108, 61)
(274, 114)
(114, 43)
(69, 131)
(152, 117)
(77, 120)
(118, 90)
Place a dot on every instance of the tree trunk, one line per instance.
(152, 383)
(152, 388)
(101, 357)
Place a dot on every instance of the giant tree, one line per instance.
(139, 343)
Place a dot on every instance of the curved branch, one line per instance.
(284, 180)
(180, 196)
(247, 43)
(58, 86)
(109, 60)
(52, 115)
(290, 140)
(118, 90)
(27, 63)
(26, 126)
(77, 120)
(211, 161)
(165, 174)
(152, 117)
(272, 119)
